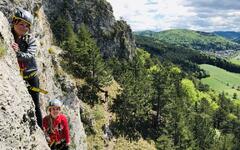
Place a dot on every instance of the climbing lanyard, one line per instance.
(35, 89)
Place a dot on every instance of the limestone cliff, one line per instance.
(17, 120)
(113, 37)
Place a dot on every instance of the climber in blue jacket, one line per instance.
(25, 48)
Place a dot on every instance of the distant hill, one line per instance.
(232, 35)
(192, 39)
(186, 57)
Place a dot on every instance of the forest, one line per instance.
(161, 99)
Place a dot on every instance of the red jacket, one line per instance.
(60, 128)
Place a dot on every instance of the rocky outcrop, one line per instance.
(8, 6)
(113, 37)
(18, 127)
(57, 82)
(17, 118)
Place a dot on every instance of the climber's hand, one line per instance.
(15, 47)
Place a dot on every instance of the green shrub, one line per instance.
(51, 50)
(2, 48)
(122, 143)
(98, 112)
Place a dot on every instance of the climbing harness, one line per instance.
(33, 74)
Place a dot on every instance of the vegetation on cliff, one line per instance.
(2, 48)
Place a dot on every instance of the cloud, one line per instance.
(216, 14)
(204, 15)
(151, 2)
(214, 4)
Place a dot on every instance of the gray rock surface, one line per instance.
(18, 129)
(113, 37)
(18, 126)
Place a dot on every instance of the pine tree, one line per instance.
(62, 30)
(164, 143)
(82, 58)
(134, 104)
(92, 65)
(202, 125)
(221, 120)
(180, 112)
(161, 97)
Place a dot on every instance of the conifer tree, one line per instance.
(179, 127)
(164, 143)
(83, 59)
(161, 96)
(202, 129)
(92, 65)
(134, 104)
(62, 30)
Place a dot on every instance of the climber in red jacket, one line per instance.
(55, 127)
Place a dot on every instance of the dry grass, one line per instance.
(123, 144)
(95, 141)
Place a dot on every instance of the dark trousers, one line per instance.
(34, 82)
(61, 146)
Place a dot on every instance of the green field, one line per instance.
(222, 80)
(236, 59)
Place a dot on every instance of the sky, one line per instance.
(159, 15)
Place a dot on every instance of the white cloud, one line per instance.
(142, 15)
(167, 14)
(218, 21)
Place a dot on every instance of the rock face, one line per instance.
(8, 6)
(113, 37)
(18, 128)
(17, 118)
(57, 82)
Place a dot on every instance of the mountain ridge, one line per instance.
(232, 35)
(198, 40)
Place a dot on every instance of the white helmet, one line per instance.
(23, 15)
(54, 102)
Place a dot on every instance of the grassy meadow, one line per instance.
(222, 80)
(236, 59)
